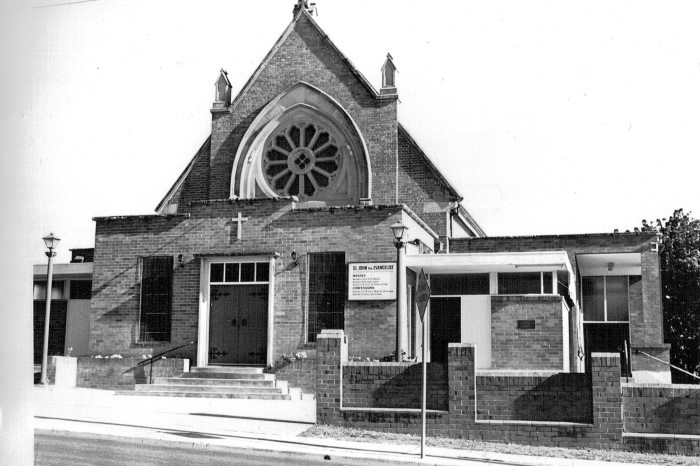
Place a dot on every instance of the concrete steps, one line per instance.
(213, 381)
(234, 396)
(227, 382)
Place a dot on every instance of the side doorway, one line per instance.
(445, 326)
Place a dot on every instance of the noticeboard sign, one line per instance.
(372, 281)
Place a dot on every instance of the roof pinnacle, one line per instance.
(308, 6)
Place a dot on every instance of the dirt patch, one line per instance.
(350, 434)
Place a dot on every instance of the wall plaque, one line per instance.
(526, 325)
(372, 281)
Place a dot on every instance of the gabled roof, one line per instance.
(302, 13)
(430, 163)
(439, 175)
(183, 176)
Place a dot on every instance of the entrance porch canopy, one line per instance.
(494, 262)
(544, 261)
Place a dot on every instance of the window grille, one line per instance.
(156, 298)
(327, 292)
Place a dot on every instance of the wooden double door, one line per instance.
(238, 324)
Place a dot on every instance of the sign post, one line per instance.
(422, 299)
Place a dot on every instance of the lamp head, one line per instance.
(398, 229)
(51, 241)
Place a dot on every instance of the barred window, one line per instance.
(156, 298)
(327, 279)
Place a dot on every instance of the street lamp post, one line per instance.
(51, 242)
(399, 230)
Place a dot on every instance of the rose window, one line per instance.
(301, 160)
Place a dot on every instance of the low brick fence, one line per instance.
(393, 385)
(300, 373)
(665, 409)
(603, 428)
(123, 373)
(517, 396)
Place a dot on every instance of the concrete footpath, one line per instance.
(211, 423)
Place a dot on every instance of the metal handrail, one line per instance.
(667, 363)
(158, 357)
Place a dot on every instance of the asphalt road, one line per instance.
(67, 448)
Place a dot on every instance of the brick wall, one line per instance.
(642, 362)
(393, 385)
(517, 396)
(538, 348)
(667, 409)
(122, 374)
(361, 232)
(300, 374)
(605, 429)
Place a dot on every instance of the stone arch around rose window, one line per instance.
(304, 144)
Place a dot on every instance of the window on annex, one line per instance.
(327, 293)
(56, 290)
(524, 283)
(605, 298)
(459, 284)
(156, 298)
(80, 289)
(239, 272)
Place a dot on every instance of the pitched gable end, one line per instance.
(301, 19)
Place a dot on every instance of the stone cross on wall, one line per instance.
(235, 226)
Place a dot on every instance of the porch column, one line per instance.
(271, 314)
(401, 311)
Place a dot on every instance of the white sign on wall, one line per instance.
(372, 281)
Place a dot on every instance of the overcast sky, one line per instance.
(548, 117)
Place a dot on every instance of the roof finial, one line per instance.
(308, 6)
(222, 93)
(388, 76)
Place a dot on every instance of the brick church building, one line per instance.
(280, 227)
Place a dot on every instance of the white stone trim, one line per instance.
(315, 102)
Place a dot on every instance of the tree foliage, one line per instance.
(680, 275)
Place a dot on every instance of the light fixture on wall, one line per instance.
(295, 258)
(611, 265)
(180, 260)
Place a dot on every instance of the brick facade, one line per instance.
(541, 347)
(273, 226)
(400, 171)
(306, 55)
(460, 420)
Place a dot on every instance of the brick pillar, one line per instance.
(607, 399)
(331, 353)
(461, 379)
